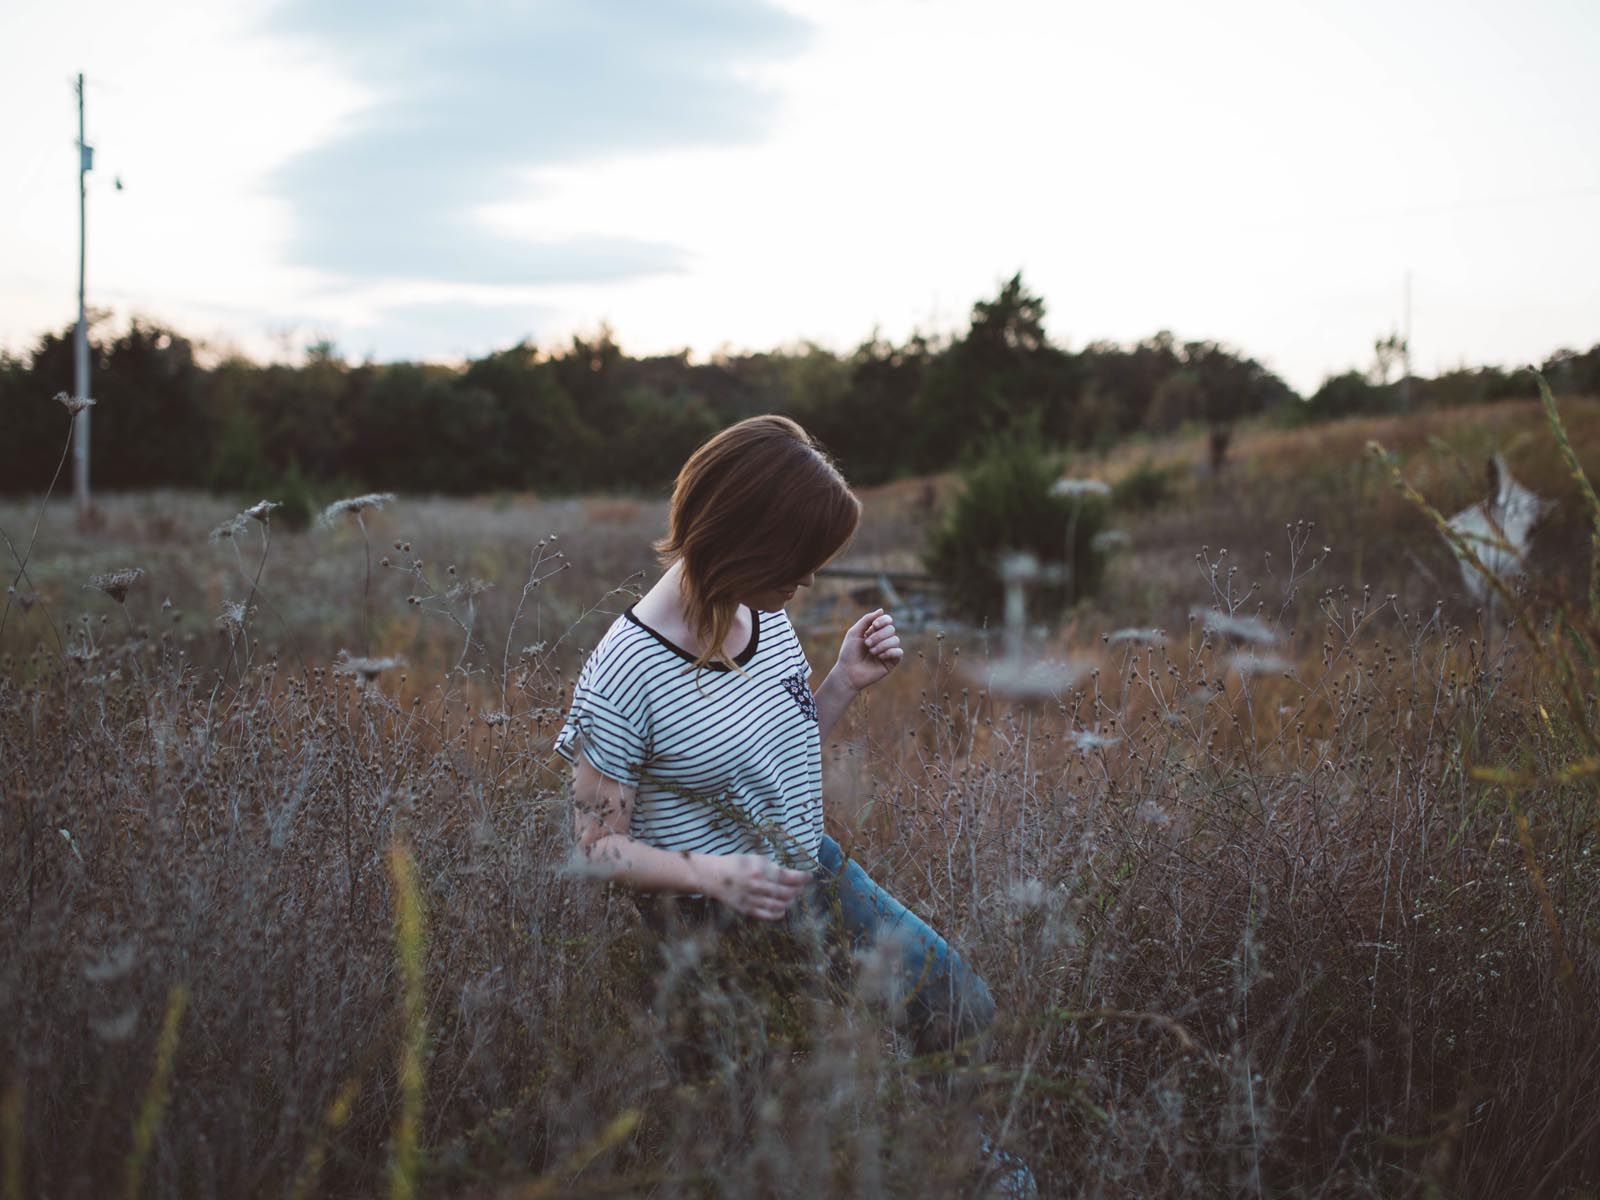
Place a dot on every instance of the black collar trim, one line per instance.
(743, 658)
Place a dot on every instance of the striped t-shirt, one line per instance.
(725, 761)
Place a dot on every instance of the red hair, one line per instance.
(758, 506)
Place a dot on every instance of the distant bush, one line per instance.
(293, 491)
(1146, 487)
(1349, 395)
(1481, 385)
(1009, 503)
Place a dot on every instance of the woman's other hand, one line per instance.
(750, 884)
(870, 651)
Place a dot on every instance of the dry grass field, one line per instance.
(1299, 898)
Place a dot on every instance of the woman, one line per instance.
(695, 736)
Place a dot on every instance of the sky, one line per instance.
(417, 180)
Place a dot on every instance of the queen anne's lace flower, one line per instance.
(354, 506)
(116, 583)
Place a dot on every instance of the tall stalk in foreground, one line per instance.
(409, 946)
(356, 506)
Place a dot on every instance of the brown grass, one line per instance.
(1277, 940)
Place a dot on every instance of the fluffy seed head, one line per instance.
(232, 617)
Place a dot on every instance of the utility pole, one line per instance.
(1405, 352)
(80, 344)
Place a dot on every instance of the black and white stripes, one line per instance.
(725, 761)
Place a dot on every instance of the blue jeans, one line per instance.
(946, 1003)
(935, 996)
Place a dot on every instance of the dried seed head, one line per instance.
(73, 404)
(365, 669)
(354, 506)
(468, 589)
(233, 616)
(1080, 487)
(231, 528)
(1146, 637)
(116, 583)
(261, 510)
(1239, 629)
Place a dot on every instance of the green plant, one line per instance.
(1013, 500)
(1144, 488)
(293, 493)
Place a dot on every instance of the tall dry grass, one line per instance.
(1301, 900)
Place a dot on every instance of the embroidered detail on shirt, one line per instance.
(796, 686)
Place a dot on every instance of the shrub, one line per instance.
(1349, 395)
(1144, 488)
(294, 493)
(1010, 502)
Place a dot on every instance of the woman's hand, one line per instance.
(750, 884)
(870, 651)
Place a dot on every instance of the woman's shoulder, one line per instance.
(626, 650)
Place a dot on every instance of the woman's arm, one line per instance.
(870, 651)
(601, 811)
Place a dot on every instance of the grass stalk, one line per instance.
(154, 1105)
(410, 951)
(11, 1138)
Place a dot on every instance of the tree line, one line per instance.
(588, 417)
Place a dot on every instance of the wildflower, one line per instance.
(261, 510)
(23, 600)
(1032, 679)
(231, 528)
(1083, 739)
(468, 590)
(73, 404)
(1144, 637)
(495, 718)
(235, 525)
(1153, 813)
(116, 583)
(366, 669)
(1027, 893)
(1237, 628)
(1248, 662)
(232, 617)
(355, 506)
(1080, 487)
(120, 960)
(118, 1028)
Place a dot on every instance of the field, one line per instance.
(1299, 897)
